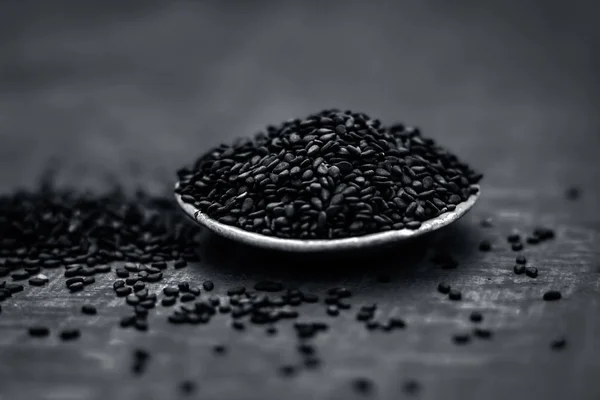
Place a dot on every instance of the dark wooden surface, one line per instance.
(135, 90)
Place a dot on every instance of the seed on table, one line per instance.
(118, 284)
(412, 387)
(238, 325)
(39, 331)
(184, 287)
(485, 245)
(122, 273)
(552, 295)
(482, 333)
(208, 285)
(123, 291)
(519, 269)
(195, 291)
(186, 297)
(558, 344)
(236, 291)
(131, 267)
(443, 288)
(219, 349)
(14, 287)
(88, 309)
(461, 338)
(187, 387)
(454, 294)
(37, 281)
(76, 287)
(531, 272)
(154, 277)
(88, 280)
(19, 275)
(517, 246)
(138, 286)
(363, 385)
(171, 291)
(70, 334)
(287, 370)
(513, 238)
(521, 259)
(180, 264)
(476, 316)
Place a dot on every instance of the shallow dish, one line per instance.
(321, 245)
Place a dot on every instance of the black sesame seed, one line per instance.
(37, 281)
(208, 286)
(521, 259)
(39, 331)
(558, 344)
(76, 287)
(519, 269)
(517, 246)
(485, 245)
(187, 387)
(70, 334)
(482, 333)
(236, 291)
(220, 349)
(122, 291)
(531, 272)
(454, 294)
(461, 338)
(287, 370)
(476, 316)
(552, 295)
(168, 301)
(443, 288)
(363, 385)
(88, 309)
(186, 297)
(411, 387)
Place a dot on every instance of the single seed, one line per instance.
(531, 272)
(552, 295)
(558, 344)
(363, 385)
(519, 269)
(39, 331)
(521, 259)
(208, 286)
(443, 288)
(461, 338)
(88, 309)
(476, 316)
(70, 334)
(485, 245)
(454, 294)
(482, 333)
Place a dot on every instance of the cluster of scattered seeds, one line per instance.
(331, 175)
(138, 240)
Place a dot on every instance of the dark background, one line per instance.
(132, 90)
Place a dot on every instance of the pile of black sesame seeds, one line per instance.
(331, 175)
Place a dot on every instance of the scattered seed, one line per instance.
(39, 331)
(531, 272)
(476, 316)
(558, 344)
(552, 295)
(443, 288)
(89, 309)
(454, 294)
(70, 334)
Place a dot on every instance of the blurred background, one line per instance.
(137, 88)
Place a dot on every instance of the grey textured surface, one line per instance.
(133, 91)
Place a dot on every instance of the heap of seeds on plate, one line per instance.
(331, 175)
